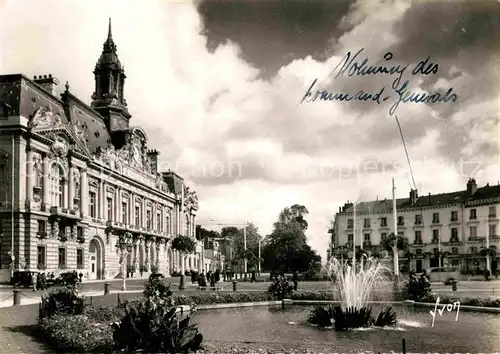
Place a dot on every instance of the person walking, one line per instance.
(295, 280)
(254, 278)
(34, 280)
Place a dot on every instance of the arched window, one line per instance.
(187, 226)
(57, 185)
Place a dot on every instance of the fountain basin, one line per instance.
(289, 328)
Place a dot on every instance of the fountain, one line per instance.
(354, 290)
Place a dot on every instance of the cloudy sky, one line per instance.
(218, 86)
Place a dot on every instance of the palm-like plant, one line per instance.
(395, 243)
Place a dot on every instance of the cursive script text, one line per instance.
(448, 307)
(352, 67)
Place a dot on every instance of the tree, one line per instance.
(395, 243)
(236, 238)
(286, 248)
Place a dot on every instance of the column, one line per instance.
(66, 193)
(144, 212)
(146, 254)
(153, 217)
(136, 246)
(117, 205)
(131, 209)
(102, 200)
(84, 186)
(158, 249)
(30, 176)
(71, 194)
(46, 186)
(182, 260)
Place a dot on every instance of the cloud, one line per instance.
(222, 103)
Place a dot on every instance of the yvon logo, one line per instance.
(448, 307)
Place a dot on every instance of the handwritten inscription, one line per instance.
(448, 307)
(350, 66)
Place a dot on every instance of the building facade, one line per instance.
(451, 228)
(74, 178)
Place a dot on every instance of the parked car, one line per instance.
(67, 278)
(22, 278)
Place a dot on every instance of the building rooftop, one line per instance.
(471, 194)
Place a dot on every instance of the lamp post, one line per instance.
(124, 246)
(259, 258)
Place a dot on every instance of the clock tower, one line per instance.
(108, 97)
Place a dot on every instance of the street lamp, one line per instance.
(124, 246)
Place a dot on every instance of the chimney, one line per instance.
(413, 196)
(471, 187)
(153, 160)
(48, 83)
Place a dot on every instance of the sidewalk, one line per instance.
(29, 299)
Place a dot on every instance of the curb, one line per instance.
(238, 304)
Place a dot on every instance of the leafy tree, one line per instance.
(395, 243)
(286, 248)
(234, 238)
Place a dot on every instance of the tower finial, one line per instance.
(110, 35)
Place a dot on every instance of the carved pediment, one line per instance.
(44, 118)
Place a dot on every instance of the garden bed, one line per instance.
(90, 330)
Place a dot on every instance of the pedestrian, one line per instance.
(212, 281)
(254, 278)
(217, 275)
(81, 277)
(34, 280)
(141, 270)
(295, 279)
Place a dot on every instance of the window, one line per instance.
(454, 215)
(473, 250)
(124, 212)
(367, 237)
(79, 232)
(158, 221)
(435, 218)
(454, 234)
(109, 205)
(41, 256)
(148, 219)
(418, 252)
(454, 250)
(492, 230)
(350, 223)
(418, 236)
(418, 219)
(42, 227)
(401, 220)
(187, 226)
(492, 213)
(167, 221)
(350, 238)
(473, 231)
(57, 185)
(472, 214)
(62, 258)
(137, 216)
(383, 236)
(4, 179)
(383, 222)
(92, 205)
(366, 223)
(37, 176)
(435, 235)
(79, 258)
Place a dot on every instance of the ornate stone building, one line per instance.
(73, 178)
(454, 227)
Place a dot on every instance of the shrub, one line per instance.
(417, 288)
(157, 287)
(152, 328)
(104, 314)
(343, 319)
(77, 334)
(312, 295)
(61, 300)
(280, 288)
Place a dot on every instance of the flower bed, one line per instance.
(90, 330)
